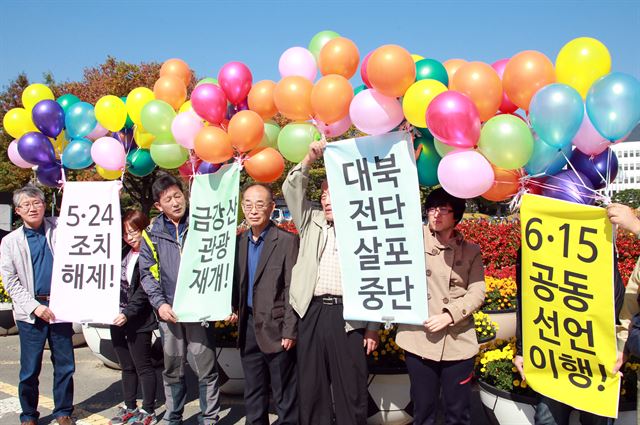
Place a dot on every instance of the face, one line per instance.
(325, 201)
(257, 206)
(441, 218)
(31, 210)
(172, 203)
(132, 236)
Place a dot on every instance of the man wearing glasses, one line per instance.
(27, 264)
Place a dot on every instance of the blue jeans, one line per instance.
(32, 340)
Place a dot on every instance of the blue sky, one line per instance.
(66, 36)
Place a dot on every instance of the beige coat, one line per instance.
(455, 284)
(629, 307)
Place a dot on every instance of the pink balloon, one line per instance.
(363, 70)
(335, 129)
(374, 113)
(235, 79)
(97, 132)
(108, 153)
(184, 128)
(507, 106)
(453, 119)
(298, 61)
(15, 157)
(465, 174)
(588, 140)
(209, 102)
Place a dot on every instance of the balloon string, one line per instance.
(314, 122)
(596, 196)
(578, 175)
(62, 174)
(239, 159)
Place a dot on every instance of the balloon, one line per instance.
(506, 106)
(546, 160)
(245, 130)
(17, 122)
(292, 97)
(431, 69)
(208, 80)
(569, 186)
(374, 113)
(465, 174)
(556, 113)
(427, 162)
(111, 112)
(108, 174)
(298, 61)
(525, 74)
(391, 70)
(264, 165)
(139, 162)
(176, 68)
(601, 169)
(50, 175)
(14, 156)
(331, 97)
(128, 123)
(260, 99)
(270, 136)
(184, 127)
(34, 93)
(235, 79)
(186, 106)
(363, 71)
(36, 149)
(125, 136)
(188, 169)
(77, 154)
(416, 58)
(417, 98)
(208, 168)
(60, 143)
(171, 90)
(319, 40)
(142, 138)
(613, 105)
(482, 84)
(452, 66)
(339, 56)
(209, 102)
(157, 117)
(581, 62)
(506, 141)
(359, 89)
(136, 100)
(294, 140)
(505, 184)
(587, 139)
(97, 132)
(108, 153)
(167, 153)
(453, 119)
(213, 145)
(335, 129)
(48, 117)
(442, 148)
(80, 119)
(66, 100)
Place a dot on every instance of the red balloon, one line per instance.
(363, 70)
(209, 102)
(507, 106)
(454, 119)
(235, 79)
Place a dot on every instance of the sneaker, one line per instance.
(123, 416)
(144, 418)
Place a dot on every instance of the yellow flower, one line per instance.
(516, 383)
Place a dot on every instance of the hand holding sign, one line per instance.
(43, 312)
(166, 313)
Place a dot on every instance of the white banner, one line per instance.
(85, 285)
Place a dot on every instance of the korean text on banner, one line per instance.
(568, 304)
(204, 287)
(85, 284)
(376, 207)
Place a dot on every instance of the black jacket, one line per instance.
(140, 316)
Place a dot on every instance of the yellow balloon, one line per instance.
(186, 106)
(34, 93)
(136, 100)
(111, 112)
(417, 98)
(142, 138)
(416, 58)
(108, 174)
(581, 62)
(59, 143)
(17, 122)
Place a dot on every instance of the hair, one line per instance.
(136, 219)
(162, 183)
(441, 198)
(262, 185)
(30, 191)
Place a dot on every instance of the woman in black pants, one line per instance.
(132, 329)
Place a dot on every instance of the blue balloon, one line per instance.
(613, 105)
(80, 120)
(48, 116)
(77, 154)
(556, 113)
(546, 160)
(36, 149)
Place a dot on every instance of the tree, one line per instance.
(630, 197)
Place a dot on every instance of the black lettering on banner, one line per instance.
(397, 251)
(218, 216)
(232, 211)
(208, 276)
(580, 370)
(73, 273)
(405, 290)
(549, 322)
(397, 211)
(206, 250)
(201, 279)
(70, 214)
(529, 231)
(543, 291)
(202, 219)
(539, 360)
(219, 272)
(386, 168)
(79, 247)
(361, 177)
(98, 275)
(221, 243)
(576, 301)
(101, 240)
(361, 210)
(371, 287)
(576, 330)
(370, 260)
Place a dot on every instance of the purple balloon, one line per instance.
(50, 175)
(207, 168)
(569, 186)
(48, 116)
(597, 167)
(234, 109)
(36, 149)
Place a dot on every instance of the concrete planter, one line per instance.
(7, 323)
(506, 320)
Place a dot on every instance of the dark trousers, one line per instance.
(428, 377)
(553, 412)
(330, 359)
(32, 340)
(259, 370)
(134, 355)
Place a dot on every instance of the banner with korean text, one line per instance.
(204, 287)
(376, 208)
(568, 304)
(85, 283)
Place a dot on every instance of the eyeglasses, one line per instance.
(27, 206)
(259, 206)
(439, 210)
(132, 233)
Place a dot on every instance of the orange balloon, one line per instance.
(246, 129)
(176, 68)
(170, 89)
(213, 145)
(391, 70)
(260, 99)
(292, 97)
(482, 84)
(525, 74)
(339, 56)
(265, 165)
(505, 185)
(452, 66)
(331, 97)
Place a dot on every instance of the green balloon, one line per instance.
(294, 140)
(359, 89)
(433, 70)
(157, 117)
(506, 141)
(139, 162)
(270, 137)
(208, 80)
(66, 100)
(128, 123)
(441, 148)
(167, 153)
(427, 162)
(319, 40)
